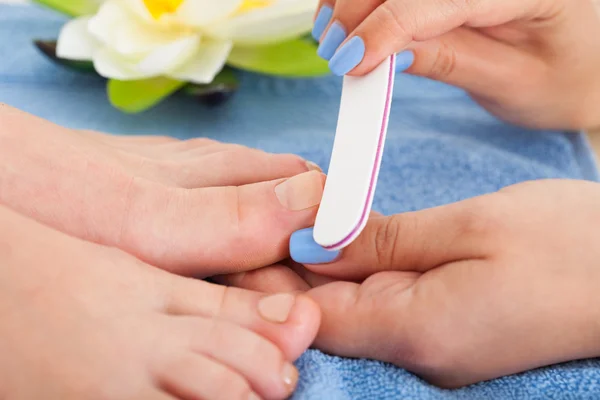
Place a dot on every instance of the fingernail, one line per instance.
(404, 60)
(332, 40)
(253, 396)
(321, 22)
(276, 308)
(301, 191)
(313, 167)
(290, 376)
(304, 249)
(348, 56)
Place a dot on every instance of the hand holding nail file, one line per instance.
(356, 157)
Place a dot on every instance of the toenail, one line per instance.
(301, 191)
(276, 308)
(253, 396)
(313, 167)
(290, 376)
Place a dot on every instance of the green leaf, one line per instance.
(137, 96)
(140, 95)
(72, 8)
(48, 48)
(225, 82)
(294, 59)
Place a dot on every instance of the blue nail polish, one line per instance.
(332, 40)
(322, 21)
(348, 56)
(304, 249)
(404, 60)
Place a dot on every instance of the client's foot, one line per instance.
(82, 321)
(196, 207)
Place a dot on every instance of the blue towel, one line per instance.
(441, 148)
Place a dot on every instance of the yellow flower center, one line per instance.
(250, 5)
(159, 7)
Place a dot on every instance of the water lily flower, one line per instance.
(187, 40)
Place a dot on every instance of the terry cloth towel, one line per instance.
(441, 148)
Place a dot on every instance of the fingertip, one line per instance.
(322, 20)
(335, 36)
(348, 57)
(304, 249)
(404, 60)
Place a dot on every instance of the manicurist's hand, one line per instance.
(194, 207)
(461, 293)
(531, 62)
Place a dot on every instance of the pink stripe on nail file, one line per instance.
(356, 157)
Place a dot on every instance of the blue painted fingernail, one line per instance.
(332, 40)
(404, 60)
(304, 249)
(348, 56)
(322, 21)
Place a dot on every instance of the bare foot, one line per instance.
(195, 207)
(84, 321)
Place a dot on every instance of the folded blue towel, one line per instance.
(441, 148)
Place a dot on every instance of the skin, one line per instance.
(530, 62)
(85, 220)
(493, 285)
(161, 199)
(466, 292)
(81, 320)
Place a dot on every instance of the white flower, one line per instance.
(188, 40)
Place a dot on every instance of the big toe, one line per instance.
(288, 320)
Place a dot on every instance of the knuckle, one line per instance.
(386, 237)
(444, 61)
(391, 16)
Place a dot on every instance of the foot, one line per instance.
(80, 320)
(196, 207)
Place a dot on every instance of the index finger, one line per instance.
(395, 24)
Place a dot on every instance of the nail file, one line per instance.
(356, 156)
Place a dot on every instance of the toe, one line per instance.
(260, 362)
(290, 321)
(271, 279)
(192, 377)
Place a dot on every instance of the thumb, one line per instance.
(415, 241)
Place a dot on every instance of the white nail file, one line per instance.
(356, 157)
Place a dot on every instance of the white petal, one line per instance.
(137, 38)
(284, 20)
(138, 8)
(112, 65)
(202, 12)
(170, 56)
(124, 32)
(110, 15)
(205, 64)
(75, 41)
